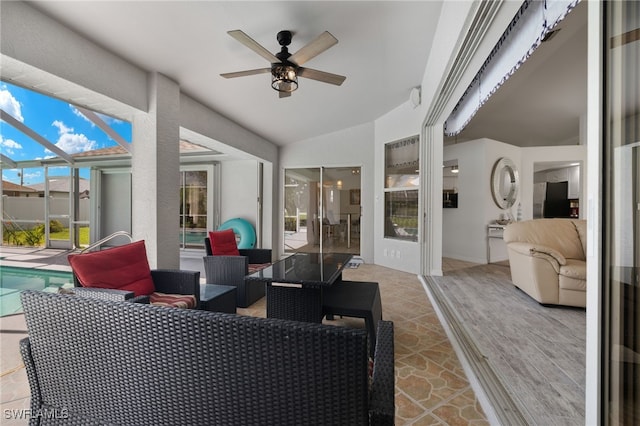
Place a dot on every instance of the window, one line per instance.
(402, 182)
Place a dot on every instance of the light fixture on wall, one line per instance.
(416, 96)
(454, 169)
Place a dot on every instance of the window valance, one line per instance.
(533, 22)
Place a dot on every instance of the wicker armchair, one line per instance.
(126, 267)
(170, 281)
(231, 270)
(91, 361)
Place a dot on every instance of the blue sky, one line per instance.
(57, 121)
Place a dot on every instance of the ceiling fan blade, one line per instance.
(314, 48)
(284, 94)
(253, 45)
(245, 73)
(325, 77)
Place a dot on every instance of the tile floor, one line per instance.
(431, 386)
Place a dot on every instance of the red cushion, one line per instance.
(223, 243)
(123, 268)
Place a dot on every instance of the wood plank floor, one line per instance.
(537, 352)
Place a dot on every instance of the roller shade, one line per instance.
(533, 21)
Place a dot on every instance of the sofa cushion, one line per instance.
(255, 267)
(123, 268)
(174, 300)
(223, 243)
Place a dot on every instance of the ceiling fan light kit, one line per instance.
(284, 78)
(285, 67)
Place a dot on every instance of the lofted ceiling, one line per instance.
(382, 50)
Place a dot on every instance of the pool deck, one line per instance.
(35, 257)
(14, 388)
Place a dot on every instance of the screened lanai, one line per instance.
(66, 175)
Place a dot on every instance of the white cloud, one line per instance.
(9, 145)
(10, 104)
(32, 176)
(62, 129)
(70, 142)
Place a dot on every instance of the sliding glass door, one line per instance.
(621, 266)
(322, 210)
(194, 207)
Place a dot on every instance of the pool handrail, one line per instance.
(107, 238)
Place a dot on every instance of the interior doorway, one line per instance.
(322, 210)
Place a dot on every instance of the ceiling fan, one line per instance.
(286, 67)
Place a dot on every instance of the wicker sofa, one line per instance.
(547, 258)
(93, 361)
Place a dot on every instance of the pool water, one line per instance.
(14, 280)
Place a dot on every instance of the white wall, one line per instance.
(346, 148)
(402, 122)
(239, 194)
(464, 231)
(463, 235)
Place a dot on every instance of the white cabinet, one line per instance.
(558, 175)
(574, 182)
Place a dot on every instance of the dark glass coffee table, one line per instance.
(294, 285)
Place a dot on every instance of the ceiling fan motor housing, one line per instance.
(284, 38)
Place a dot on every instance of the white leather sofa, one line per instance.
(547, 259)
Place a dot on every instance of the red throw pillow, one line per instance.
(123, 268)
(223, 243)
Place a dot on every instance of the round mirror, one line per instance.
(504, 183)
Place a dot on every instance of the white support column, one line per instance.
(155, 173)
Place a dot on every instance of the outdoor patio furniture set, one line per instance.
(93, 356)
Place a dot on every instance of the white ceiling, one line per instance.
(382, 50)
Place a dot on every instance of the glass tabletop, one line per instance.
(310, 268)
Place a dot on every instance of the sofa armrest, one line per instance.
(145, 300)
(382, 406)
(100, 293)
(176, 281)
(257, 255)
(539, 250)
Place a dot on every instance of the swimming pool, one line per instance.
(14, 280)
